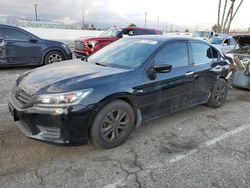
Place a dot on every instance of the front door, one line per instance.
(21, 47)
(168, 92)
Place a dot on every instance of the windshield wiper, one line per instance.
(101, 64)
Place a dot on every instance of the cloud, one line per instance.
(62, 10)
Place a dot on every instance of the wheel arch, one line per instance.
(127, 97)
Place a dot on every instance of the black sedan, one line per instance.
(19, 47)
(118, 88)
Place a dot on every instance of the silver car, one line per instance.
(225, 43)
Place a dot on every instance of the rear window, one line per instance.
(144, 32)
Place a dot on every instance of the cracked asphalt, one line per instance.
(198, 147)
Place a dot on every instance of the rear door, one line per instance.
(3, 51)
(208, 64)
(21, 47)
(168, 92)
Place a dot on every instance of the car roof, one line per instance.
(222, 36)
(165, 38)
(147, 29)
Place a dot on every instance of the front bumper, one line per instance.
(80, 54)
(57, 125)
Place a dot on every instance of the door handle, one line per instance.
(189, 73)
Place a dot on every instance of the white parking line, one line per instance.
(3, 105)
(203, 145)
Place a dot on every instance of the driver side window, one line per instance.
(14, 34)
(175, 54)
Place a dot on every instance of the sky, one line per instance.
(179, 12)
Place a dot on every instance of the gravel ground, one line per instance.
(198, 147)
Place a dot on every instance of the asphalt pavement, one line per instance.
(197, 147)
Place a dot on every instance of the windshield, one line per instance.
(111, 33)
(215, 40)
(125, 53)
(202, 34)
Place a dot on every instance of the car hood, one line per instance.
(59, 77)
(96, 38)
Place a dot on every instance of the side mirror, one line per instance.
(163, 68)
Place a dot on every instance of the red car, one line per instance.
(87, 45)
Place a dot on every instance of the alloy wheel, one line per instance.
(54, 58)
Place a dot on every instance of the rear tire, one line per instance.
(113, 124)
(53, 56)
(219, 94)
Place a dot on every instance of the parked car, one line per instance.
(241, 77)
(127, 83)
(19, 47)
(87, 45)
(224, 42)
(204, 35)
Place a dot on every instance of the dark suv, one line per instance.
(87, 45)
(19, 47)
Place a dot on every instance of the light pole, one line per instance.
(146, 14)
(158, 22)
(83, 24)
(36, 10)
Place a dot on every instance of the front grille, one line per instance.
(79, 45)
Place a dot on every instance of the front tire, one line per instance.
(113, 124)
(219, 94)
(52, 57)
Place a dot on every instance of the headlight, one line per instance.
(92, 44)
(62, 99)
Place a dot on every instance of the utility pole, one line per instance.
(146, 14)
(83, 24)
(36, 10)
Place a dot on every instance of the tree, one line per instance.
(186, 30)
(215, 28)
(132, 25)
(224, 24)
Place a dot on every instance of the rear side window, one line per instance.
(201, 53)
(144, 32)
(14, 34)
(175, 54)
